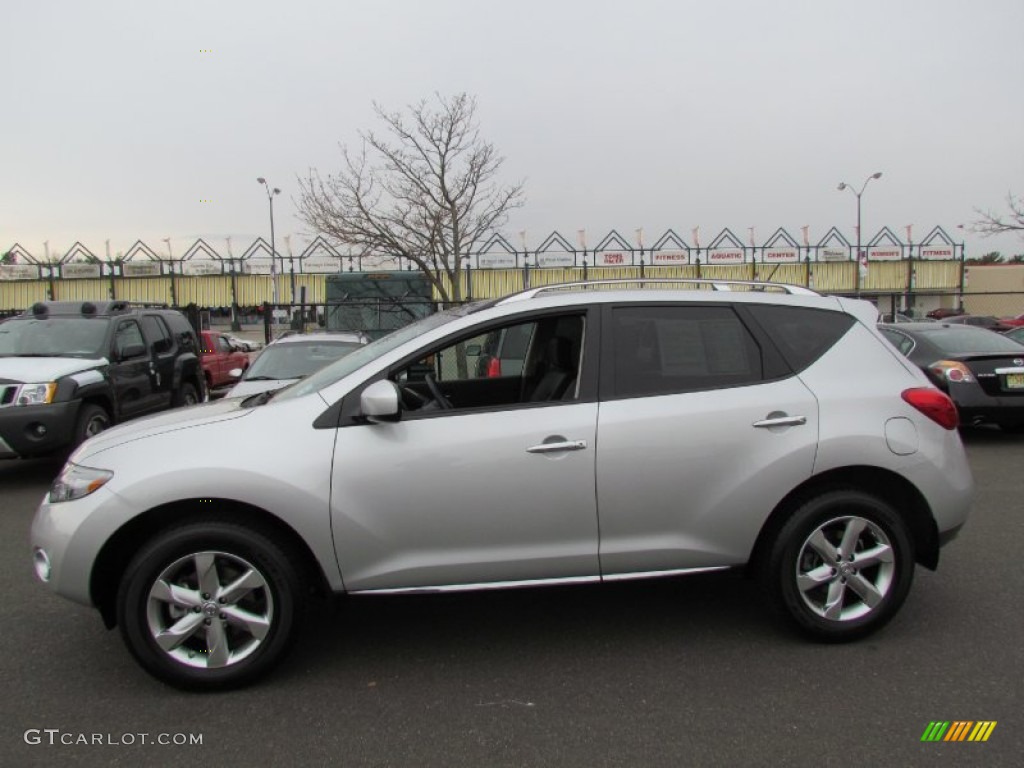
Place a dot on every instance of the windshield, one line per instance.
(972, 341)
(365, 355)
(298, 359)
(53, 337)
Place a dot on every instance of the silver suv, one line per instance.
(649, 432)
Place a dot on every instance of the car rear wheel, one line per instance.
(841, 565)
(187, 395)
(209, 605)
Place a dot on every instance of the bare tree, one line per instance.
(424, 190)
(996, 224)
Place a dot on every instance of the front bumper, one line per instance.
(71, 535)
(36, 430)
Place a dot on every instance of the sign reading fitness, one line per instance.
(937, 252)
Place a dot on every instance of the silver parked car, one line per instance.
(291, 358)
(648, 432)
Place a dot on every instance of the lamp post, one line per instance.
(170, 268)
(273, 250)
(843, 185)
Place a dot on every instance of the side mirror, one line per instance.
(380, 402)
(235, 373)
(129, 351)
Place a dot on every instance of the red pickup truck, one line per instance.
(218, 357)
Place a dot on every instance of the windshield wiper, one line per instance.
(259, 398)
(262, 378)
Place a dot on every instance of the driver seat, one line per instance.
(558, 371)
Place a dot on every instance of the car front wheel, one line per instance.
(841, 565)
(92, 419)
(209, 605)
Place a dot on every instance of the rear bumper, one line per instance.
(976, 406)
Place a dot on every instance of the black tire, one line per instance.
(186, 395)
(273, 604)
(92, 419)
(823, 596)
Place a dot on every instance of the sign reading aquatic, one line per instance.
(725, 256)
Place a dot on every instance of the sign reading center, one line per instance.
(779, 255)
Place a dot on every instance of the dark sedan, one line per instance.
(982, 371)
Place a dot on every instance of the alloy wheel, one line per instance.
(845, 568)
(209, 610)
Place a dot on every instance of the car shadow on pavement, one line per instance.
(19, 474)
(557, 623)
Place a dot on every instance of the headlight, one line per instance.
(36, 394)
(76, 482)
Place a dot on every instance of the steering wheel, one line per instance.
(413, 398)
(436, 392)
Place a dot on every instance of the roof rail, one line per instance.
(713, 283)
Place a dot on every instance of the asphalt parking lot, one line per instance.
(690, 671)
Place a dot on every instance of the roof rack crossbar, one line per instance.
(716, 284)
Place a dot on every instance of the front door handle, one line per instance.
(564, 445)
(781, 420)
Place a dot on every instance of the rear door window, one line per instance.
(156, 331)
(658, 350)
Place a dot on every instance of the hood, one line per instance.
(32, 370)
(167, 421)
(246, 388)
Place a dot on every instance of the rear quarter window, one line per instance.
(802, 334)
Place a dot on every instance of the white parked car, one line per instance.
(648, 433)
(291, 358)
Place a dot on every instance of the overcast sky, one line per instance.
(646, 113)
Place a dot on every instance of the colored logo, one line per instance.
(959, 730)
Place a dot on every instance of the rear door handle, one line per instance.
(565, 445)
(781, 421)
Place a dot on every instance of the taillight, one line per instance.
(951, 370)
(493, 368)
(934, 404)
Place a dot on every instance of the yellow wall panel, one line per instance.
(22, 294)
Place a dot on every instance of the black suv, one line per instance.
(69, 370)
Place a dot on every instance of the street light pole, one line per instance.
(843, 185)
(273, 248)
